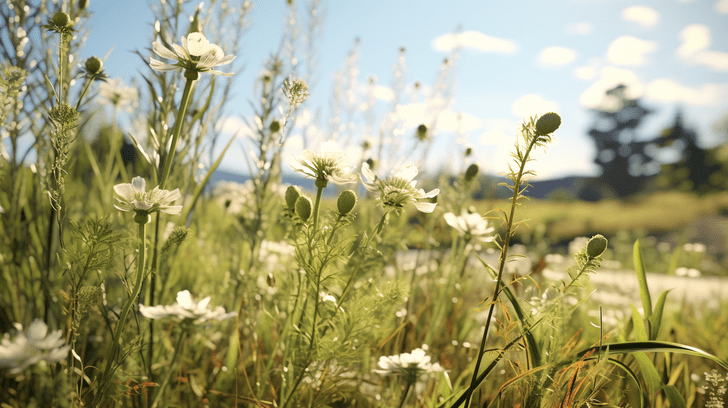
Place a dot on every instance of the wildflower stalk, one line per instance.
(169, 376)
(136, 289)
(406, 392)
(320, 184)
(534, 137)
(191, 76)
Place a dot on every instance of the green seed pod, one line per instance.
(142, 217)
(468, 151)
(303, 207)
(471, 172)
(596, 246)
(346, 202)
(292, 194)
(94, 65)
(61, 19)
(548, 123)
(275, 126)
(82, 4)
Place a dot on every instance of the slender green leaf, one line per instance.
(640, 332)
(649, 373)
(674, 396)
(642, 279)
(656, 318)
(653, 346)
(631, 374)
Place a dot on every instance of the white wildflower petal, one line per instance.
(28, 348)
(425, 207)
(163, 51)
(216, 72)
(181, 52)
(161, 66)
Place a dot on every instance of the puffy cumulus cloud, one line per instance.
(669, 91)
(475, 40)
(721, 6)
(647, 16)
(532, 104)
(695, 48)
(585, 72)
(556, 56)
(415, 114)
(628, 50)
(580, 28)
(595, 96)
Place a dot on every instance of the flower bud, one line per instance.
(548, 123)
(271, 280)
(303, 207)
(468, 151)
(142, 217)
(596, 246)
(471, 172)
(82, 4)
(61, 19)
(346, 202)
(422, 132)
(275, 126)
(94, 65)
(292, 194)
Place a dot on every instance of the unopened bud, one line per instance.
(94, 65)
(61, 19)
(548, 123)
(596, 246)
(471, 172)
(275, 126)
(292, 194)
(82, 4)
(303, 207)
(271, 280)
(142, 217)
(346, 202)
(422, 132)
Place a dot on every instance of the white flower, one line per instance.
(186, 309)
(471, 226)
(409, 365)
(118, 95)
(31, 347)
(134, 197)
(331, 164)
(398, 189)
(196, 53)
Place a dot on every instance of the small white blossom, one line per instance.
(134, 197)
(331, 164)
(471, 226)
(30, 347)
(409, 365)
(398, 189)
(196, 53)
(118, 95)
(185, 309)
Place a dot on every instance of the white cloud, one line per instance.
(232, 124)
(383, 93)
(556, 56)
(581, 28)
(628, 50)
(721, 6)
(532, 104)
(695, 48)
(475, 40)
(415, 114)
(585, 72)
(595, 96)
(667, 90)
(647, 16)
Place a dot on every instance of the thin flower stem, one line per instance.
(501, 265)
(139, 278)
(404, 396)
(171, 363)
(177, 130)
(86, 85)
(317, 205)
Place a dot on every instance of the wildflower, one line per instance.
(60, 22)
(411, 366)
(548, 123)
(596, 246)
(398, 189)
(186, 310)
(470, 226)
(329, 165)
(195, 54)
(133, 197)
(118, 95)
(31, 347)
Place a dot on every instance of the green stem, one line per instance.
(404, 396)
(191, 76)
(171, 363)
(86, 85)
(138, 279)
(320, 184)
(501, 265)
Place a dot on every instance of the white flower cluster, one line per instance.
(409, 365)
(185, 309)
(473, 227)
(31, 347)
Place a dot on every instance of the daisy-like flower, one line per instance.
(118, 95)
(398, 189)
(411, 366)
(134, 197)
(196, 53)
(472, 227)
(186, 310)
(30, 347)
(331, 164)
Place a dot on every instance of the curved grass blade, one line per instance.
(629, 372)
(642, 279)
(654, 346)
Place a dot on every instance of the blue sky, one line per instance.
(516, 58)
